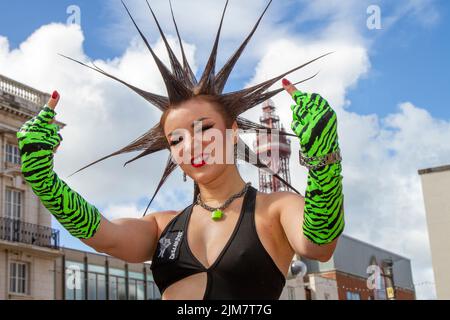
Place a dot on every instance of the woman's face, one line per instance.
(199, 141)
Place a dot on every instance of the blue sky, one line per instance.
(409, 62)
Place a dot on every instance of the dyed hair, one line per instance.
(182, 85)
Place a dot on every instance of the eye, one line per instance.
(175, 142)
(207, 127)
(204, 128)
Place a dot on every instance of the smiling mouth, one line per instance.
(199, 161)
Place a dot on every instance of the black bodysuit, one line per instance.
(243, 270)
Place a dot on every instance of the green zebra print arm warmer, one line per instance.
(37, 140)
(315, 123)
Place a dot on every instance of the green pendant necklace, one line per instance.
(217, 213)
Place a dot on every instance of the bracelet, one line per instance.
(323, 160)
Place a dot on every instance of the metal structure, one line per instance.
(274, 150)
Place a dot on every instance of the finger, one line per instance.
(53, 100)
(288, 86)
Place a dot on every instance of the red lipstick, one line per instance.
(198, 165)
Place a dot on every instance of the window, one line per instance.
(136, 289)
(140, 290)
(291, 293)
(113, 288)
(117, 288)
(96, 286)
(12, 154)
(18, 278)
(136, 286)
(101, 287)
(353, 295)
(92, 286)
(152, 291)
(13, 204)
(75, 281)
(132, 289)
(117, 284)
(96, 282)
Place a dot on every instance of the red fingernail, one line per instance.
(55, 95)
(286, 82)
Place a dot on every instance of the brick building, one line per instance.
(358, 270)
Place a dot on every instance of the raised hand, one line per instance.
(40, 134)
(315, 123)
(38, 140)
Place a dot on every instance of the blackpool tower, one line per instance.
(274, 150)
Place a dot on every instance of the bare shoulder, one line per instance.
(278, 201)
(163, 218)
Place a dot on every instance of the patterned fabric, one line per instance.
(315, 123)
(37, 141)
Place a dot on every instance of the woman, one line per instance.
(232, 242)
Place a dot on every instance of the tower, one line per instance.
(274, 150)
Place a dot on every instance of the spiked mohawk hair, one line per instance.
(181, 85)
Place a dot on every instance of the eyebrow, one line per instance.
(192, 125)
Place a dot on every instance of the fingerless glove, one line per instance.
(315, 123)
(37, 139)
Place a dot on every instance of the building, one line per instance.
(28, 244)
(84, 275)
(32, 263)
(435, 188)
(359, 271)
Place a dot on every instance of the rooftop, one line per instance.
(435, 169)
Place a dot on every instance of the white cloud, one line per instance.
(124, 210)
(198, 22)
(384, 202)
(381, 156)
(101, 115)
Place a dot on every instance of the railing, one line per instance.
(22, 91)
(28, 233)
(265, 117)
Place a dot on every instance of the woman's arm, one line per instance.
(290, 207)
(315, 123)
(129, 239)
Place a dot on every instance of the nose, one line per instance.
(193, 145)
(197, 144)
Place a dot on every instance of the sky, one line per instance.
(388, 85)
